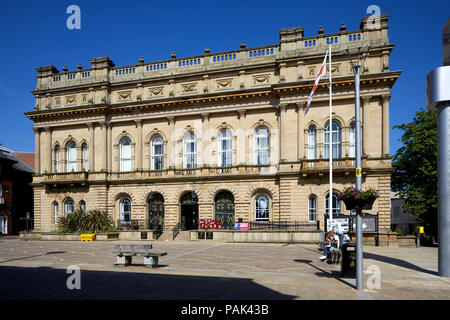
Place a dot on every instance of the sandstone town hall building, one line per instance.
(214, 136)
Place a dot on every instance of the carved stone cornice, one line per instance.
(205, 116)
(385, 98)
(48, 129)
(138, 123)
(242, 113)
(171, 119)
(365, 100)
(300, 106)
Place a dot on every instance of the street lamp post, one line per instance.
(359, 246)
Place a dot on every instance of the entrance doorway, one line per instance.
(156, 212)
(224, 209)
(189, 211)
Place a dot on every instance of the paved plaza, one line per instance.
(213, 270)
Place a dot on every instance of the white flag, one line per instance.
(322, 72)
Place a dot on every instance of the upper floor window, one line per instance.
(71, 156)
(157, 153)
(225, 148)
(125, 210)
(84, 156)
(312, 142)
(335, 142)
(189, 151)
(262, 146)
(351, 140)
(262, 207)
(125, 154)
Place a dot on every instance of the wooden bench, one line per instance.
(126, 252)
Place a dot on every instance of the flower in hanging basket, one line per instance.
(355, 199)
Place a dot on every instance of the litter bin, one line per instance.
(348, 259)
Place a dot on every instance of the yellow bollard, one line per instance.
(87, 237)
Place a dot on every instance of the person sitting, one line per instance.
(329, 240)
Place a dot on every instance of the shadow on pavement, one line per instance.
(44, 283)
(326, 274)
(397, 262)
(37, 255)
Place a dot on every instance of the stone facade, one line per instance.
(239, 91)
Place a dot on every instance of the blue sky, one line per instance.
(34, 34)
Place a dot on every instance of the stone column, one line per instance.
(110, 146)
(282, 141)
(205, 135)
(139, 148)
(91, 160)
(104, 154)
(48, 166)
(385, 114)
(171, 142)
(300, 131)
(37, 150)
(366, 121)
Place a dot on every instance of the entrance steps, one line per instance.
(183, 236)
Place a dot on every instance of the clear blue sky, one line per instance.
(34, 33)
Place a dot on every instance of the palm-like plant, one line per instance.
(94, 221)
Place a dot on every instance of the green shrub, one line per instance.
(93, 221)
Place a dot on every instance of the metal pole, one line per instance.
(359, 247)
(444, 188)
(330, 127)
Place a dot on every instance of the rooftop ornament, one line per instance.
(343, 27)
(65, 69)
(173, 56)
(243, 45)
(207, 51)
(321, 30)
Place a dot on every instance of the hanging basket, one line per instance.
(366, 204)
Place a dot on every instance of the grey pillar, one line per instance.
(438, 97)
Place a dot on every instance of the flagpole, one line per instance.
(330, 127)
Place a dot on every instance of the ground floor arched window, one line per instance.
(312, 208)
(125, 210)
(262, 207)
(336, 204)
(69, 206)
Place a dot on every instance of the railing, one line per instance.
(283, 225)
(66, 176)
(318, 164)
(175, 231)
(128, 225)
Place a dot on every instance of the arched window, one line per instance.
(262, 146)
(312, 142)
(82, 205)
(312, 208)
(157, 153)
(189, 151)
(336, 203)
(125, 210)
(125, 154)
(57, 159)
(262, 207)
(56, 211)
(351, 140)
(71, 156)
(84, 156)
(69, 206)
(225, 148)
(335, 142)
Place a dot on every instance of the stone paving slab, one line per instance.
(213, 270)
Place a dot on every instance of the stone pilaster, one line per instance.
(171, 143)
(365, 121)
(385, 114)
(300, 130)
(91, 160)
(37, 150)
(48, 160)
(139, 147)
